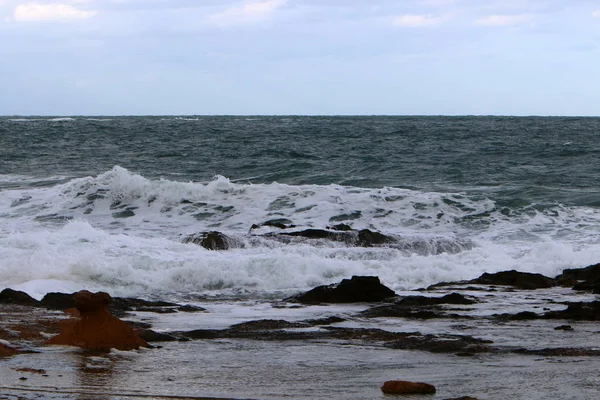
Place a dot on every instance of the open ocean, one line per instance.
(104, 203)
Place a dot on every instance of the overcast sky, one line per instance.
(398, 57)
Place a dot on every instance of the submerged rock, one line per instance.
(406, 387)
(97, 329)
(355, 290)
(211, 240)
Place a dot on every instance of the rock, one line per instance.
(190, 308)
(6, 351)
(564, 328)
(58, 301)
(368, 238)
(151, 336)
(462, 398)
(441, 344)
(562, 352)
(520, 316)
(281, 223)
(323, 234)
(520, 280)
(210, 240)
(97, 329)
(406, 387)
(408, 307)
(453, 298)
(354, 290)
(578, 311)
(10, 296)
(590, 273)
(341, 227)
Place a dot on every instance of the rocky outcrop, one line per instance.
(97, 329)
(406, 387)
(420, 307)
(519, 280)
(587, 278)
(355, 290)
(582, 311)
(516, 279)
(10, 296)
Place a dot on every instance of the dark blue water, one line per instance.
(525, 159)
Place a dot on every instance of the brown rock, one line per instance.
(97, 329)
(6, 351)
(406, 387)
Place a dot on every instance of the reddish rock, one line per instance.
(97, 329)
(6, 351)
(406, 387)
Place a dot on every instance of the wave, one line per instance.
(122, 232)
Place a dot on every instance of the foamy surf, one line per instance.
(123, 233)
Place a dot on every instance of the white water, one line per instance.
(122, 233)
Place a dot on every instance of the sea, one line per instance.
(105, 203)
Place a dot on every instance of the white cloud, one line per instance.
(35, 12)
(596, 14)
(416, 21)
(246, 13)
(505, 20)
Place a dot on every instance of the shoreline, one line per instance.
(486, 320)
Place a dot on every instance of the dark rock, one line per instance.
(577, 311)
(399, 311)
(562, 352)
(341, 227)
(520, 280)
(520, 316)
(590, 273)
(441, 344)
(210, 240)
(368, 238)
(453, 298)
(407, 307)
(323, 234)
(405, 387)
(58, 301)
(267, 324)
(281, 223)
(564, 328)
(190, 308)
(151, 336)
(462, 398)
(157, 310)
(323, 321)
(10, 296)
(354, 290)
(119, 306)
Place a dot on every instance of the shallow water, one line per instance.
(295, 370)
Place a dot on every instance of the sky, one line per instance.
(300, 57)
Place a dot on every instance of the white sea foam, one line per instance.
(122, 233)
(61, 119)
